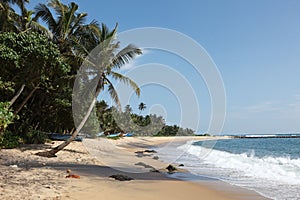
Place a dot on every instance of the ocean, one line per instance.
(269, 166)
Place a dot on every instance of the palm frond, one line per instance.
(94, 27)
(81, 54)
(58, 6)
(113, 32)
(38, 27)
(127, 81)
(70, 18)
(113, 94)
(77, 22)
(43, 12)
(125, 55)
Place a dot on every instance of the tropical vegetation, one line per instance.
(41, 51)
(112, 121)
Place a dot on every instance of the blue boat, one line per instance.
(128, 135)
(62, 137)
(114, 135)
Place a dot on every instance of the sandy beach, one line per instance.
(24, 175)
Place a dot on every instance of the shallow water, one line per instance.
(270, 166)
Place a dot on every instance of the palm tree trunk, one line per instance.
(25, 100)
(12, 101)
(60, 147)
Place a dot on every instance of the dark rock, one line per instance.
(181, 165)
(150, 151)
(121, 177)
(171, 168)
(155, 157)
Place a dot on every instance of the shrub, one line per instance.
(35, 137)
(6, 116)
(8, 140)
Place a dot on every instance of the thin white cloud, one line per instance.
(263, 107)
(265, 117)
(289, 108)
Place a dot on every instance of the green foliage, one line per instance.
(31, 59)
(20, 50)
(142, 106)
(175, 131)
(8, 140)
(35, 137)
(168, 131)
(6, 86)
(140, 120)
(113, 121)
(47, 65)
(6, 116)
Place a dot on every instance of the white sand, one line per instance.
(44, 178)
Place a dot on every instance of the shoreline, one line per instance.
(235, 192)
(213, 182)
(44, 178)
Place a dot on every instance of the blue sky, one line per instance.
(255, 45)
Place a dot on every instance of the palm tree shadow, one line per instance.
(29, 147)
(100, 171)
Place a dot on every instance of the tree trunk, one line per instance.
(52, 152)
(25, 100)
(12, 101)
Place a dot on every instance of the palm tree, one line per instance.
(67, 25)
(100, 66)
(142, 107)
(8, 16)
(128, 109)
(25, 22)
(12, 21)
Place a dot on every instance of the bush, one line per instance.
(35, 137)
(168, 131)
(8, 140)
(6, 116)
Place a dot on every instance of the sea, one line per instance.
(269, 166)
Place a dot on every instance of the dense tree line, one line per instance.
(113, 121)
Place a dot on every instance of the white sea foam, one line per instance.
(273, 177)
(281, 169)
(256, 135)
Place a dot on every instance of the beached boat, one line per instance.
(114, 135)
(128, 135)
(62, 137)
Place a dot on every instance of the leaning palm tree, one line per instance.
(97, 70)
